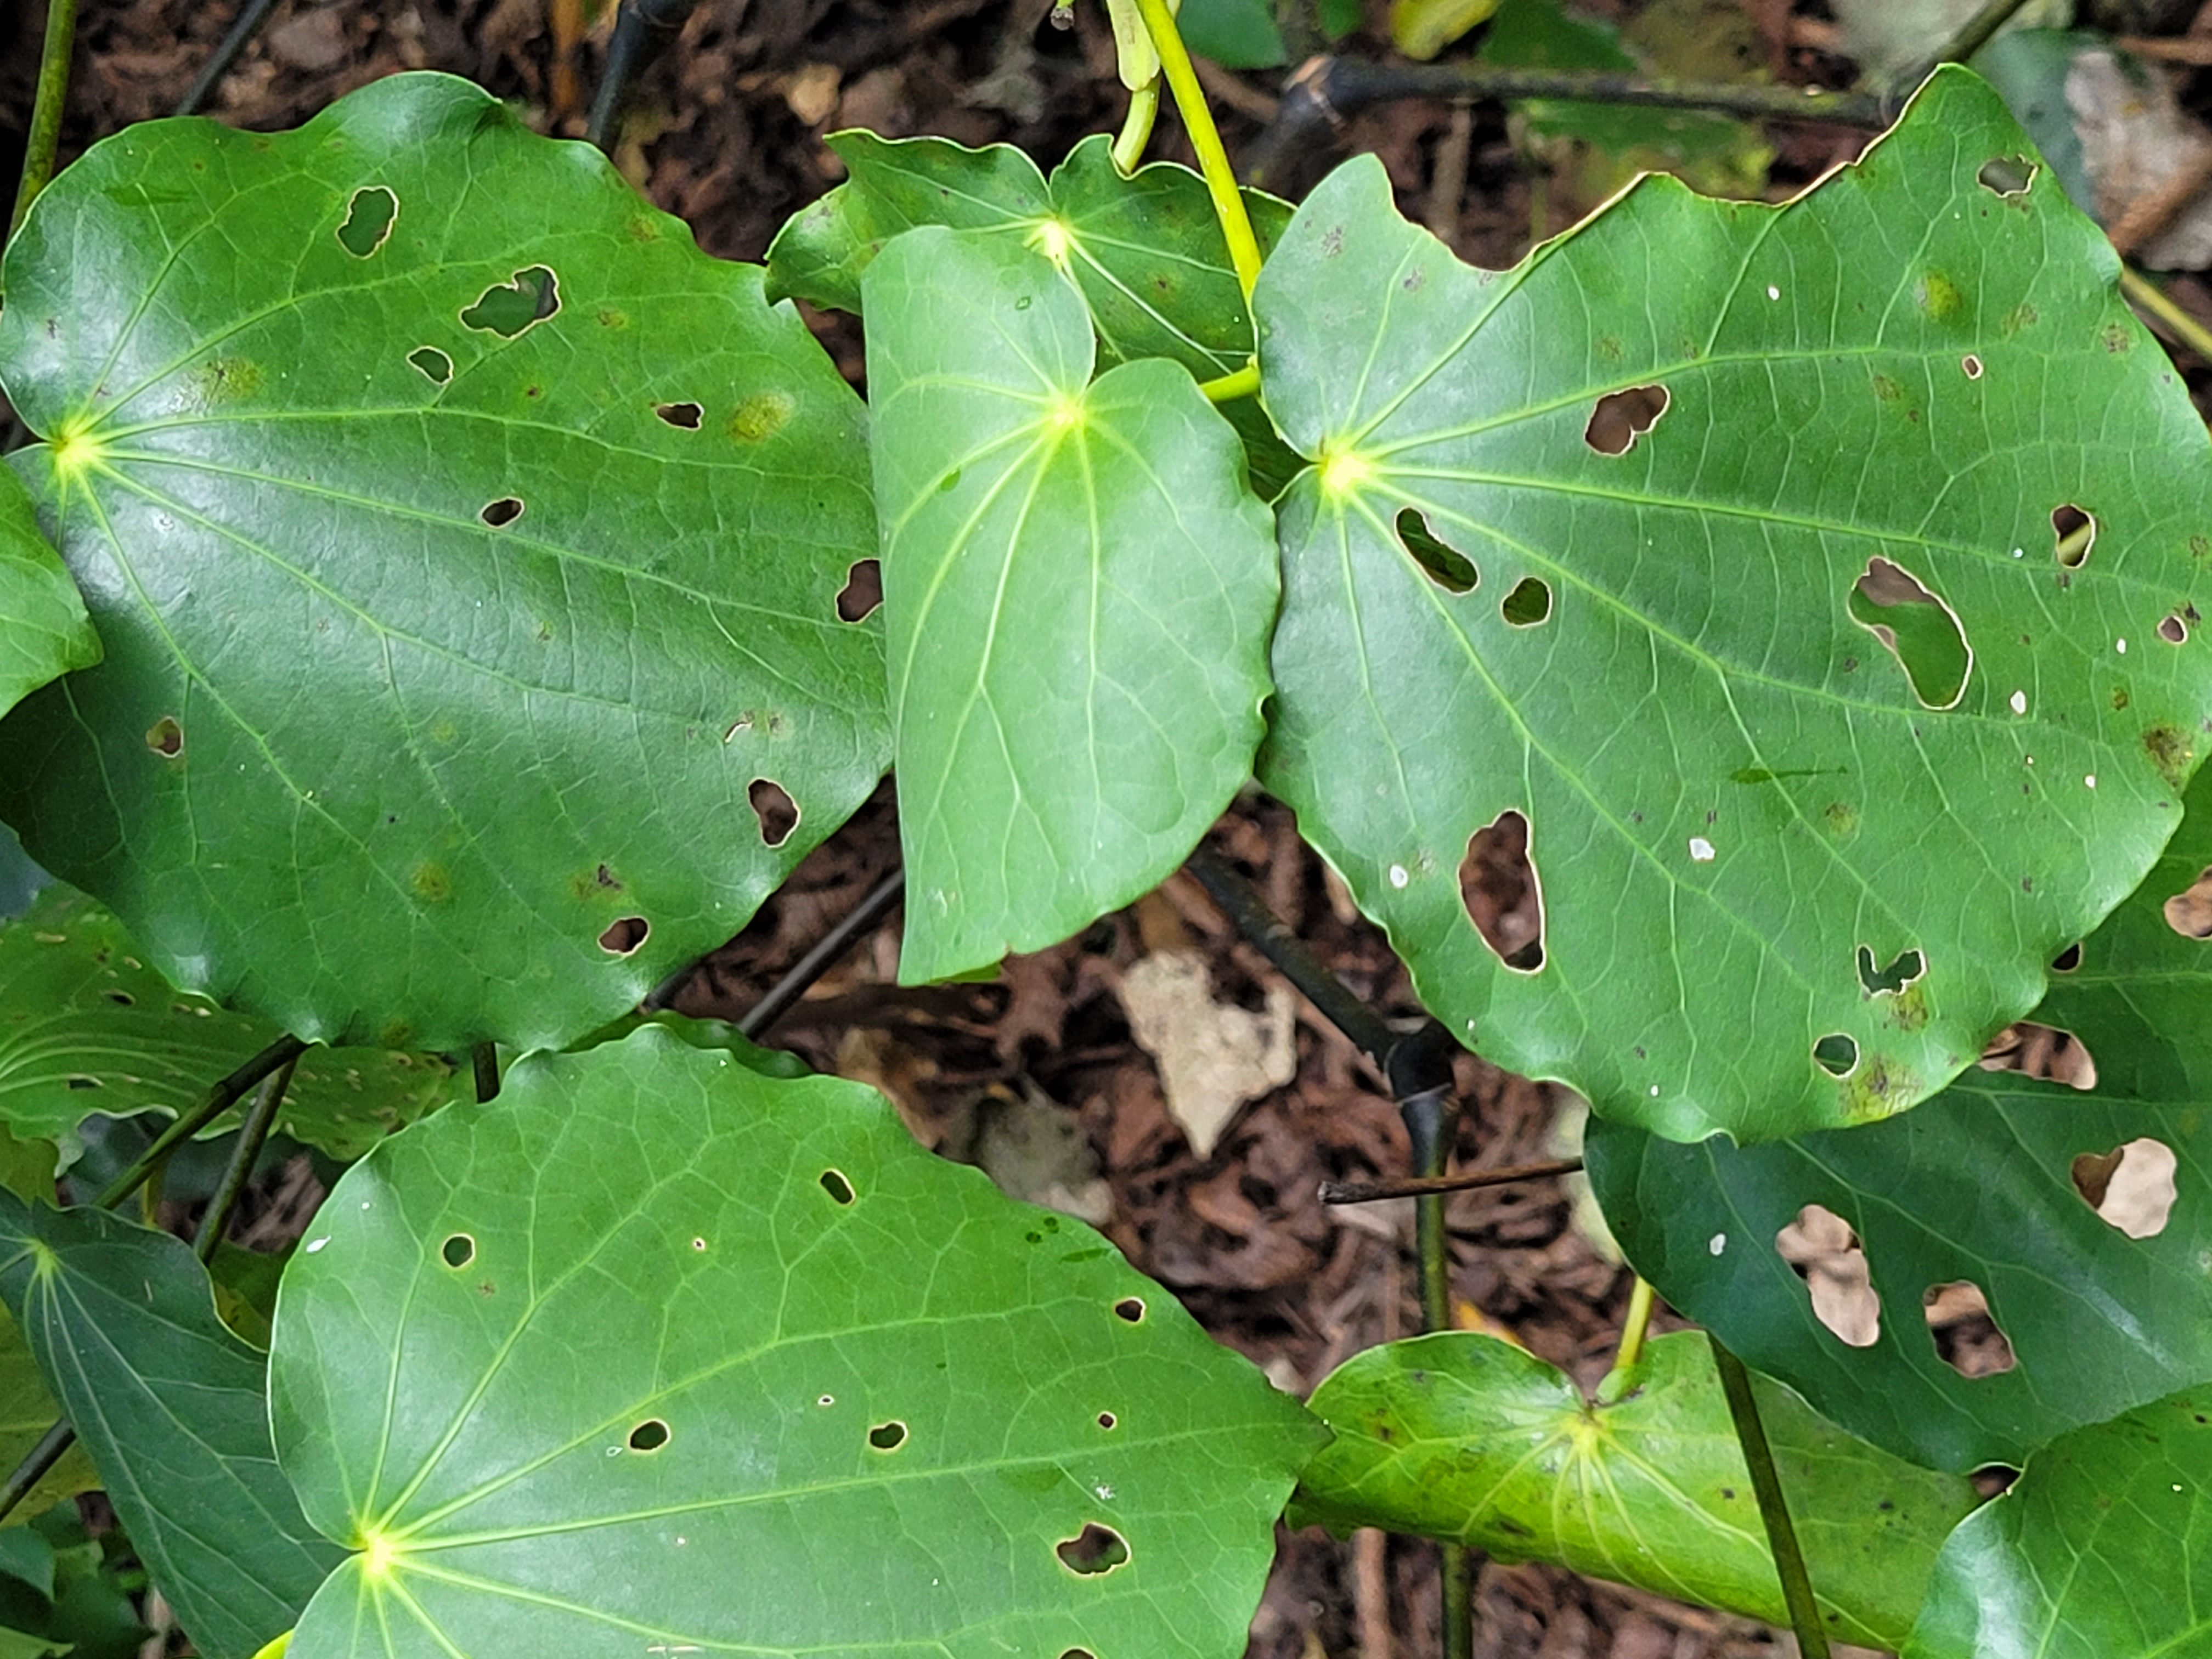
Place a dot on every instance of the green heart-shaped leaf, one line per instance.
(468, 547)
(44, 629)
(656, 1351)
(1721, 473)
(1080, 587)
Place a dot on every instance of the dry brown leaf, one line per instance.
(1212, 1056)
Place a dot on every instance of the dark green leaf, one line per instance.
(657, 1351)
(1235, 34)
(463, 598)
(1080, 587)
(2097, 1550)
(172, 1409)
(44, 630)
(1469, 1438)
(1730, 786)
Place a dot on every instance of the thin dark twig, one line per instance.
(826, 952)
(253, 1135)
(43, 141)
(249, 19)
(1978, 30)
(1766, 1487)
(643, 32)
(1368, 1192)
(32, 1469)
(212, 1105)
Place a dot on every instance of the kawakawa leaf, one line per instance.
(1467, 1437)
(1080, 587)
(658, 1354)
(2093, 1265)
(44, 629)
(2099, 1548)
(1671, 446)
(27, 1412)
(468, 549)
(86, 1027)
(171, 1406)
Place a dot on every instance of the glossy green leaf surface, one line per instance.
(2098, 1549)
(44, 629)
(173, 1408)
(1467, 1437)
(1234, 33)
(86, 1026)
(1979, 1184)
(1701, 425)
(657, 1351)
(467, 546)
(1078, 587)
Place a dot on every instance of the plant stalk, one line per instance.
(484, 1062)
(1635, 1327)
(212, 1105)
(1430, 1113)
(44, 140)
(253, 1135)
(1137, 127)
(1978, 31)
(826, 952)
(249, 19)
(1370, 1192)
(34, 1468)
(2147, 296)
(1773, 1509)
(1205, 139)
(1227, 388)
(643, 31)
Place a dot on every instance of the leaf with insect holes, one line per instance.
(2083, 1219)
(1853, 524)
(2096, 1550)
(1079, 585)
(174, 1409)
(469, 550)
(44, 629)
(86, 1027)
(697, 1360)
(1467, 1437)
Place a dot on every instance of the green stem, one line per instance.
(32, 1469)
(1205, 139)
(1635, 1327)
(1766, 1487)
(1976, 32)
(1137, 127)
(212, 1105)
(2145, 295)
(253, 1135)
(1244, 383)
(45, 135)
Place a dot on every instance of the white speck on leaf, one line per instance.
(2090, 781)
(1772, 292)
(1701, 850)
(1719, 1244)
(314, 1244)
(2120, 646)
(2020, 702)
(1398, 876)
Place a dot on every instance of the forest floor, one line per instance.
(1038, 1076)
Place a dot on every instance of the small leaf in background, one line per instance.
(695, 1357)
(27, 1412)
(1422, 29)
(173, 1407)
(86, 1026)
(1239, 34)
(1053, 548)
(1340, 18)
(1469, 1438)
(2083, 1219)
(2096, 1550)
(79, 1600)
(44, 629)
(467, 547)
(1728, 787)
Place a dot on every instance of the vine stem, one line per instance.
(284, 1052)
(252, 1136)
(1242, 382)
(2147, 296)
(1137, 127)
(44, 137)
(1773, 1509)
(1978, 31)
(1370, 1192)
(1635, 1327)
(1205, 139)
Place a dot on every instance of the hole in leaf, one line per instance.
(862, 592)
(686, 415)
(1889, 981)
(1972, 365)
(1500, 892)
(1094, 1550)
(2007, 175)
(2189, 912)
(459, 1250)
(1993, 1478)
(2067, 959)
(1822, 1246)
(1836, 1053)
(835, 1184)
(624, 934)
(1440, 562)
(2075, 532)
(2042, 1052)
(501, 513)
(649, 1435)
(121, 997)
(2173, 630)
(2131, 1187)
(773, 806)
(80, 1081)
(368, 221)
(1076, 1653)
(1528, 604)
(1107, 1419)
(432, 364)
(888, 1437)
(507, 308)
(1131, 1309)
(1917, 628)
(1966, 1335)
(1619, 418)
(166, 738)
